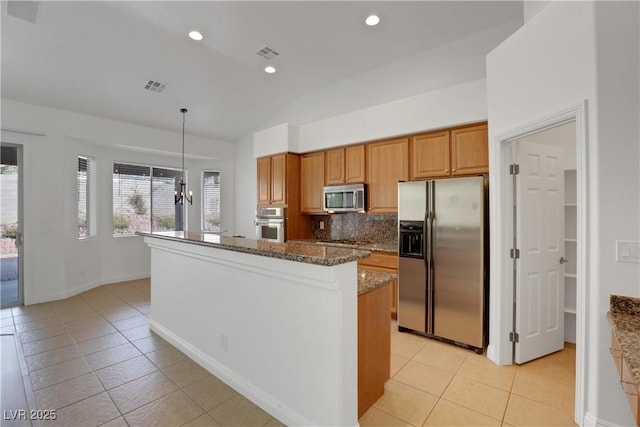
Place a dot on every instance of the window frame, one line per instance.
(151, 168)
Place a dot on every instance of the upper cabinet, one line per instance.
(312, 170)
(429, 154)
(279, 185)
(459, 151)
(272, 180)
(345, 165)
(387, 163)
(469, 150)
(279, 179)
(264, 180)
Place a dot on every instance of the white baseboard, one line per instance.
(67, 293)
(591, 420)
(125, 278)
(258, 396)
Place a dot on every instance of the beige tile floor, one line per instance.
(437, 384)
(94, 360)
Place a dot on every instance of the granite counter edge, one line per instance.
(302, 258)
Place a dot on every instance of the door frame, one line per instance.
(29, 140)
(501, 239)
(20, 216)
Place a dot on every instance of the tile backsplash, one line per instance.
(356, 226)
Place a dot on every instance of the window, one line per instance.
(211, 201)
(143, 199)
(86, 197)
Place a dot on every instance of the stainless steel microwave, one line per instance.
(344, 198)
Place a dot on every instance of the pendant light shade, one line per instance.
(181, 196)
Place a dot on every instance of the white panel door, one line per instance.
(540, 238)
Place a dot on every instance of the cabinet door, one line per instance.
(312, 180)
(279, 179)
(387, 163)
(469, 150)
(354, 164)
(430, 155)
(264, 180)
(334, 172)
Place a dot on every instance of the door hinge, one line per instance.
(514, 169)
(514, 337)
(515, 253)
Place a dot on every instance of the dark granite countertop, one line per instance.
(624, 317)
(291, 251)
(390, 248)
(369, 280)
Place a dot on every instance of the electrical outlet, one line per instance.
(321, 225)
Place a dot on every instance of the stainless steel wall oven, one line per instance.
(270, 224)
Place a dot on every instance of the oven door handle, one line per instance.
(268, 221)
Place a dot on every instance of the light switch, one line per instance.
(627, 251)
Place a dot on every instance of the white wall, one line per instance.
(56, 263)
(531, 8)
(459, 104)
(246, 187)
(567, 53)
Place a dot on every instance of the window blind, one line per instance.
(211, 201)
(143, 199)
(85, 198)
(166, 215)
(131, 198)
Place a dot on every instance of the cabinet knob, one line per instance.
(446, 170)
(453, 170)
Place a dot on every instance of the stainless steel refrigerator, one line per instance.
(443, 265)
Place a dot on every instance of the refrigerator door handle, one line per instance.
(428, 258)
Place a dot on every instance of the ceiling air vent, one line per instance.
(155, 86)
(268, 52)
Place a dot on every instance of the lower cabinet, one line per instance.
(374, 346)
(387, 263)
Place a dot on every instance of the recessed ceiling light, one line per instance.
(195, 35)
(372, 20)
(269, 69)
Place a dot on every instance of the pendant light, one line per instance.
(182, 195)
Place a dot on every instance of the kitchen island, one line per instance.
(276, 321)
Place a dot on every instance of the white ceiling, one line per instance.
(96, 57)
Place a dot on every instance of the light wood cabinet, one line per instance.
(374, 346)
(387, 263)
(452, 152)
(272, 180)
(469, 150)
(429, 153)
(345, 165)
(264, 180)
(312, 170)
(279, 185)
(387, 163)
(279, 179)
